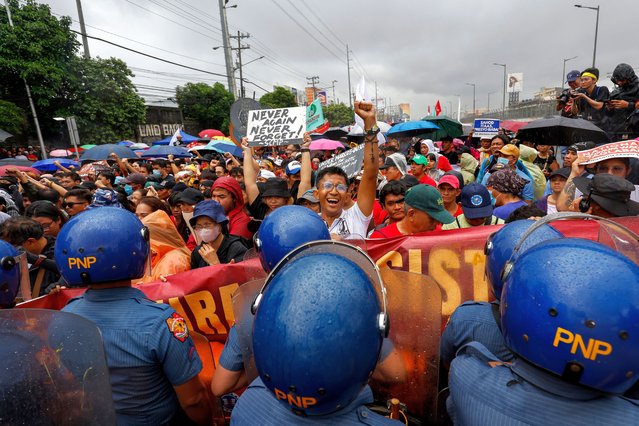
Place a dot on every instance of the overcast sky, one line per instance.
(418, 51)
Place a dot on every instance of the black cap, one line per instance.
(611, 192)
(564, 172)
(276, 187)
(167, 184)
(581, 146)
(190, 196)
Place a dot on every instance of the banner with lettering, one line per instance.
(454, 259)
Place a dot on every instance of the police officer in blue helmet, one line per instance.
(479, 321)
(152, 360)
(9, 275)
(317, 338)
(281, 231)
(573, 327)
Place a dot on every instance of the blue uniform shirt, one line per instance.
(231, 356)
(258, 406)
(484, 391)
(148, 352)
(473, 322)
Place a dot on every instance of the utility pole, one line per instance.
(26, 86)
(376, 96)
(348, 67)
(239, 49)
(227, 48)
(313, 81)
(334, 98)
(85, 40)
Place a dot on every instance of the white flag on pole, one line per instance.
(174, 138)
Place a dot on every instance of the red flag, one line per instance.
(438, 108)
(428, 109)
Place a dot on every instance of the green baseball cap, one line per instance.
(420, 159)
(427, 199)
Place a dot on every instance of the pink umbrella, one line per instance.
(325, 145)
(60, 153)
(3, 170)
(209, 133)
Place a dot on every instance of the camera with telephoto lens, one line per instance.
(564, 96)
(573, 93)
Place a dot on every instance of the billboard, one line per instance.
(515, 82)
(310, 95)
(405, 111)
(321, 95)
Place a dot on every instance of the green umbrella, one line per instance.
(87, 146)
(448, 127)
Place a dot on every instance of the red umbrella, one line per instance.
(3, 170)
(513, 126)
(209, 133)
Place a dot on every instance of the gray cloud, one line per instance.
(417, 51)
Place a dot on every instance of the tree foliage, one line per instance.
(278, 98)
(339, 114)
(209, 106)
(12, 118)
(103, 100)
(37, 49)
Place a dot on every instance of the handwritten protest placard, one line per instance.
(611, 150)
(350, 161)
(271, 127)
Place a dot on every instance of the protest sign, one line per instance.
(486, 127)
(281, 126)
(349, 161)
(611, 150)
(314, 116)
(239, 117)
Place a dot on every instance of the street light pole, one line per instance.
(594, 51)
(473, 84)
(489, 93)
(72, 128)
(28, 90)
(230, 75)
(503, 104)
(563, 75)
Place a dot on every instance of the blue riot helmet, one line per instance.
(317, 332)
(571, 307)
(101, 245)
(9, 274)
(501, 244)
(285, 229)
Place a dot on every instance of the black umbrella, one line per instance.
(4, 135)
(562, 131)
(15, 162)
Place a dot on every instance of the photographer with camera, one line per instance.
(623, 121)
(564, 100)
(590, 98)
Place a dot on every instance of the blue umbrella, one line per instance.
(412, 128)
(164, 151)
(186, 138)
(125, 143)
(48, 166)
(102, 152)
(221, 147)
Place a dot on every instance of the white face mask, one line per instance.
(208, 235)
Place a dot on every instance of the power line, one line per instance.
(319, 18)
(306, 31)
(151, 56)
(313, 25)
(172, 21)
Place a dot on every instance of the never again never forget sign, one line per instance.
(282, 126)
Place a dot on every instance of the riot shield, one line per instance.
(409, 372)
(243, 299)
(53, 370)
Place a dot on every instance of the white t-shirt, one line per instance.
(351, 224)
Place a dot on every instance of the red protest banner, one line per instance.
(454, 259)
(621, 149)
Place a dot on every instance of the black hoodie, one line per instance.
(619, 124)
